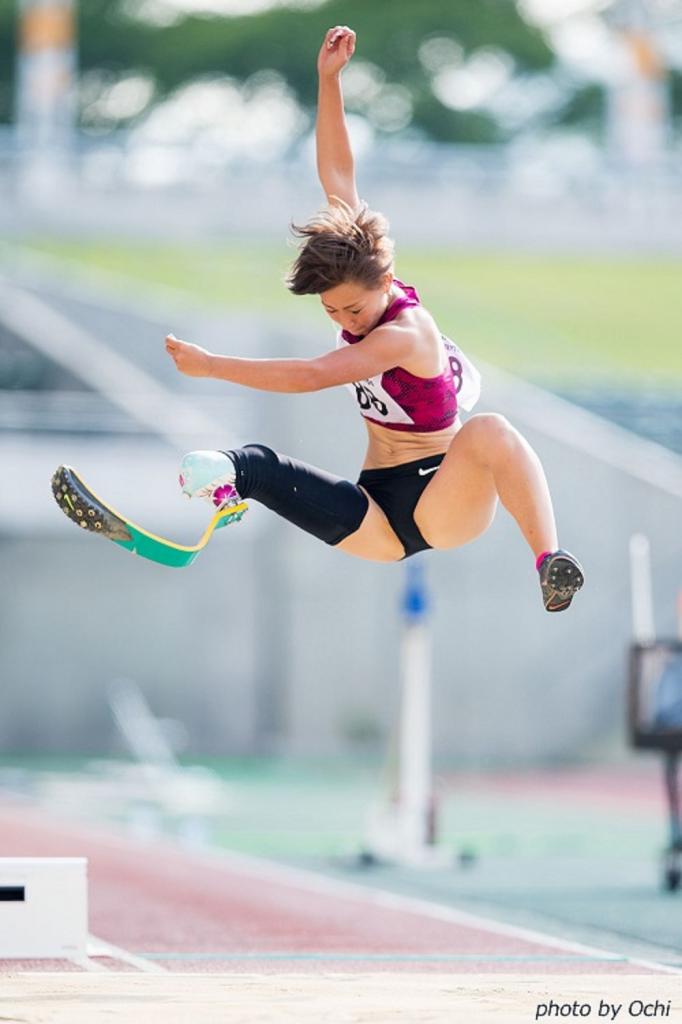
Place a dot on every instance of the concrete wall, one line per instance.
(467, 203)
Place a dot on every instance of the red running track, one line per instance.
(209, 913)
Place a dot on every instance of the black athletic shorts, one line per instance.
(396, 491)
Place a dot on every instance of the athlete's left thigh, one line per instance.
(460, 501)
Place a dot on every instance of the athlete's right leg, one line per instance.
(334, 510)
(489, 460)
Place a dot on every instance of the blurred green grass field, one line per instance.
(553, 319)
(316, 808)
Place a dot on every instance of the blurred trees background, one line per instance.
(7, 57)
(405, 57)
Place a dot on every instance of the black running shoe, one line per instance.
(561, 576)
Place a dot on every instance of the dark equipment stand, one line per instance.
(673, 855)
(655, 723)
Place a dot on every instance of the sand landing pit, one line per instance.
(334, 998)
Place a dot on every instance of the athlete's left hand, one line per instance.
(189, 359)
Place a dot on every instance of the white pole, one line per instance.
(643, 627)
(415, 721)
(46, 94)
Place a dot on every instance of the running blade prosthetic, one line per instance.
(561, 576)
(91, 513)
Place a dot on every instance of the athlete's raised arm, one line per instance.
(335, 164)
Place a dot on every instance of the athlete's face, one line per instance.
(356, 308)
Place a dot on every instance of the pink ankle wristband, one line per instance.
(540, 559)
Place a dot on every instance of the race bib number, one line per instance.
(367, 400)
(466, 376)
(375, 402)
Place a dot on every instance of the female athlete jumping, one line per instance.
(428, 481)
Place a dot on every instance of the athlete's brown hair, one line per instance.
(339, 246)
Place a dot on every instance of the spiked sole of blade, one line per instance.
(83, 508)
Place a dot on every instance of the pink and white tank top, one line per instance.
(400, 401)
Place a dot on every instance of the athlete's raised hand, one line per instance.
(189, 359)
(336, 51)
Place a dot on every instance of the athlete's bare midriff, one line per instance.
(388, 447)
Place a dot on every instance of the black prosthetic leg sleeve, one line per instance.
(324, 505)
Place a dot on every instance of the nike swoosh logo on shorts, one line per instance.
(425, 472)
